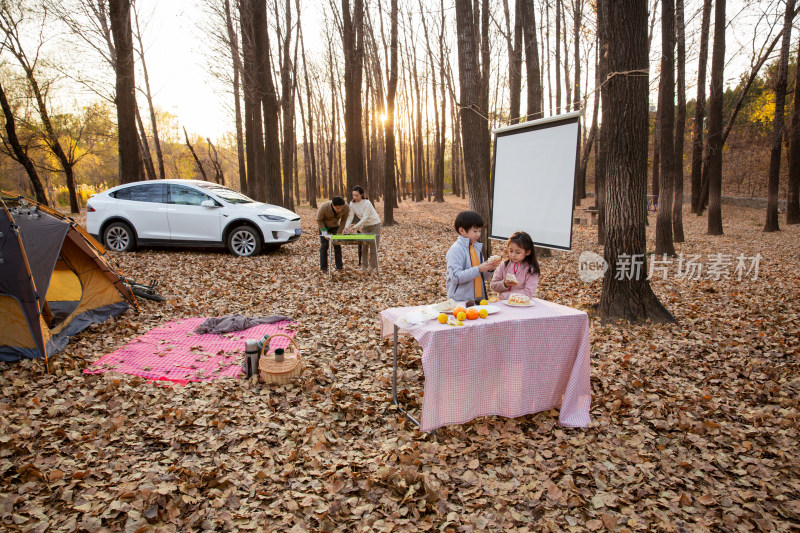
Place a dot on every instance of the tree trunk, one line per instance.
(233, 41)
(567, 84)
(577, 6)
(771, 223)
(144, 149)
(474, 124)
(194, 156)
(130, 167)
(514, 45)
(626, 291)
(287, 103)
(602, 146)
(700, 110)
(388, 127)
(534, 96)
(715, 140)
(657, 129)
(666, 96)
(151, 107)
(254, 125)
(558, 57)
(271, 186)
(793, 187)
(680, 125)
(21, 155)
(353, 46)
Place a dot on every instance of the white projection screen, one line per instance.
(534, 179)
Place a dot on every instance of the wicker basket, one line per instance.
(282, 372)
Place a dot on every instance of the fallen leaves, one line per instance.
(694, 425)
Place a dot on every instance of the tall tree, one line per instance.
(700, 109)
(149, 96)
(514, 45)
(353, 45)
(11, 18)
(312, 181)
(558, 56)
(472, 67)
(253, 122)
(388, 126)
(626, 290)
(130, 165)
(18, 153)
(577, 16)
(793, 187)
(287, 105)
(715, 140)
(680, 123)
(666, 95)
(268, 97)
(600, 154)
(233, 44)
(771, 223)
(532, 72)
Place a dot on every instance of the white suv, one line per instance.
(187, 213)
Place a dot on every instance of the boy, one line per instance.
(331, 216)
(465, 265)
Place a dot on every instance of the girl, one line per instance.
(370, 223)
(521, 263)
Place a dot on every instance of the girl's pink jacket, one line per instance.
(528, 281)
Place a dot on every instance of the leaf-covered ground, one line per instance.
(695, 425)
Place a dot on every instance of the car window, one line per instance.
(147, 192)
(227, 194)
(182, 195)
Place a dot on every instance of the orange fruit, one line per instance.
(459, 309)
(461, 316)
(442, 318)
(483, 313)
(472, 314)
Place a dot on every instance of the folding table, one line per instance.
(518, 361)
(352, 239)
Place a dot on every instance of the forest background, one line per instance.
(69, 49)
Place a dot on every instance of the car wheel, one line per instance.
(119, 237)
(244, 241)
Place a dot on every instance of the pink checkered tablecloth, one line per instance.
(518, 361)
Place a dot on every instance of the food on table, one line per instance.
(494, 259)
(469, 303)
(459, 309)
(483, 313)
(492, 300)
(519, 299)
(511, 278)
(472, 313)
(484, 302)
(461, 316)
(442, 318)
(445, 306)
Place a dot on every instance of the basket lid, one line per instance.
(271, 366)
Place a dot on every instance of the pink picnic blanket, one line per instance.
(173, 352)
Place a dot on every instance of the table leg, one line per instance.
(394, 384)
(377, 261)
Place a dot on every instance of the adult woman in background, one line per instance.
(369, 222)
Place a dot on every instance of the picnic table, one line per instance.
(517, 361)
(353, 239)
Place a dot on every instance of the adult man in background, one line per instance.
(331, 218)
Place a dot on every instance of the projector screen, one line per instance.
(534, 180)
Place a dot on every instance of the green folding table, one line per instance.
(353, 238)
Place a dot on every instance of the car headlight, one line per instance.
(272, 218)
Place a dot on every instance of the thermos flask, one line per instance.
(251, 356)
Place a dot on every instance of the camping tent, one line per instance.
(55, 280)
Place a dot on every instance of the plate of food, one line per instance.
(519, 300)
(491, 309)
(416, 317)
(446, 306)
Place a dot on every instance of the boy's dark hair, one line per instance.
(360, 190)
(468, 220)
(524, 241)
(337, 200)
